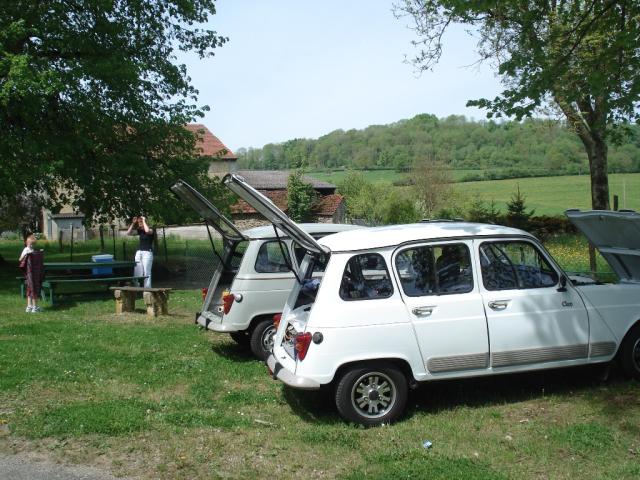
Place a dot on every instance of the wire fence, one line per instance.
(184, 256)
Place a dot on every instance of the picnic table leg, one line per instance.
(151, 304)
(22, 289)
(125, 301)
(161, 300)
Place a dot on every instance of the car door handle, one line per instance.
(423, 311)
(499, 304)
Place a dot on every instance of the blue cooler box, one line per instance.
(100, 259)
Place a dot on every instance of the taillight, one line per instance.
(227, 302)
(276, 319)
(205, 291)
(302, 342)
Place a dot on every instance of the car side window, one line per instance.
(515, 265)
(366, 277)
(270, 258)
(435, 270)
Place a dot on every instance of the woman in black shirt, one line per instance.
(144, 254)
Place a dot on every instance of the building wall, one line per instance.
(222, 167)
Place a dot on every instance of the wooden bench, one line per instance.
(50, 284)
(156, 300)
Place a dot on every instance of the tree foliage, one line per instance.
(301, 196)
(502, 149)
(579, 56)
(93, 101)
(373, 204)
(517, 215)
(432, 185)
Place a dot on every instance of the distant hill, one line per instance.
(511, 149)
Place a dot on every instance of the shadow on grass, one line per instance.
(610, 392)
(233, 351)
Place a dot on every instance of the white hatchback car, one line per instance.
(411, 303)
(253, 277)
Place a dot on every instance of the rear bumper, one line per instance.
(215, 324)
(289, 378)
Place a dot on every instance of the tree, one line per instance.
(93, 102)
(517, 215)
(301, 196)
(580, 56)
(432, 184)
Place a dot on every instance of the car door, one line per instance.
(531, 318)
(444, 304)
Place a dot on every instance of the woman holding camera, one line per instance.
(144, 254)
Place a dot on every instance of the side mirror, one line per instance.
(563, 283)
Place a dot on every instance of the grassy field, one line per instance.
(547, 195)
(162, 399)
(552, 195)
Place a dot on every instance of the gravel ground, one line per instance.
(17, 467)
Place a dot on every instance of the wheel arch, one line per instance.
(633, 326)
(402, 364)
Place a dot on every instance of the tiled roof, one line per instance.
(326, 206)
(67, 215)
(279, 197)
(277, 179)
(209, 145)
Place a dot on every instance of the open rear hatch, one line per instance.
(272, 213)
(616, 235)
(229, 256)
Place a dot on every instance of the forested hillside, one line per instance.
(508, 149)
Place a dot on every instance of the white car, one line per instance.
(254, 274)
(411, 303)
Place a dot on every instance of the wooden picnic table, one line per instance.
(53, 266)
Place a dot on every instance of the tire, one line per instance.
(371, 394)
(242, 338)
(262, 338)
(630, 353)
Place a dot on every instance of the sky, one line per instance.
(301, 69)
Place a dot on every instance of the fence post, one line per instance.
(164, 242)
(60, 233)
(615, 202)
(124, 249)
(113, 233)
(71, 251)
(101, 238)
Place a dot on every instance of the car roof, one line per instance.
(266, 231)
(392, 235)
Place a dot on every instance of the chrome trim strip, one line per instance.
(602, 349)
(458, 362)
(539, 355)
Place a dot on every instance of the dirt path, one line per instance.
(18, 467)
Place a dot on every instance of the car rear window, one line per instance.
(366, 277)
(435, 270)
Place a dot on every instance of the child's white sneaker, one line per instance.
(29, 309)
(35, 309)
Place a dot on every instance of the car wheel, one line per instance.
(372, 394)
(241, 338)
(262, 339)
(630, 353)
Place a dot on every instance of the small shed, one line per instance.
(65, 223)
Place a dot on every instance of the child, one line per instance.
(31, 261)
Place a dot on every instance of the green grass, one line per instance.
(162, 399)
(553, 195)
(547, 195)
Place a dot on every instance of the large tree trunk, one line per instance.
(597, 153)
